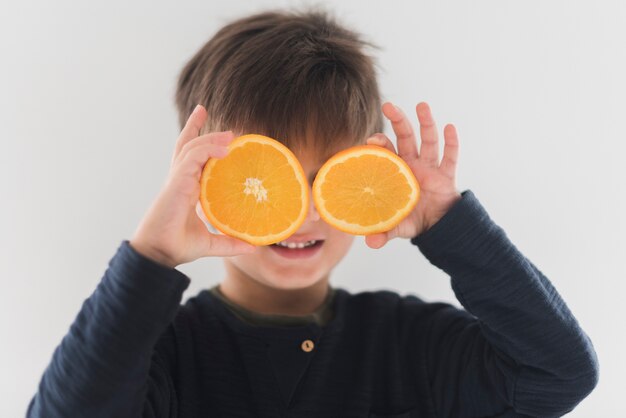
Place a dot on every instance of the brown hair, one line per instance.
(296, 76)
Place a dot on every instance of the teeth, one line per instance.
(294, 245)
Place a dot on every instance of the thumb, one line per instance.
(377, 240)
(224, 246)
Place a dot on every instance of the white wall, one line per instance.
(87, 124)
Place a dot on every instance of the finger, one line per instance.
(216, 138)
(377, 241)
(191, 129)
(382, 141)
(192, 162)
(407, 143)
(200, 154)
(225, 246)
(429, 147)
(221, 138)
(450, 151)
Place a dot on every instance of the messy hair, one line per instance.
(296, 76)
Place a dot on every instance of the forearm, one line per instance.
(101, 366)
(519, 311)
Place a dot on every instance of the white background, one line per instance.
(87, 124)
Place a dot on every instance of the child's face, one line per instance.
(273, 267)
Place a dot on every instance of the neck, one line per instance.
(260, 298)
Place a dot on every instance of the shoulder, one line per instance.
(195, 318)
(195, 312)
(387, 300)
(390, 320)
(389, 306)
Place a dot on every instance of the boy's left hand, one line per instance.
(437, 181)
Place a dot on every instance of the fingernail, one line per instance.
(198, 106)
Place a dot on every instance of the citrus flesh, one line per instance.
(258, 192)
(364, 190)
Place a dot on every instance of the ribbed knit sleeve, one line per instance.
(519, 345)
(102, 366)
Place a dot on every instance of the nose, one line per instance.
(313, 215)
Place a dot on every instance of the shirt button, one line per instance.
(307, 345)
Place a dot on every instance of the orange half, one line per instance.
(258, 192)
(364, 190)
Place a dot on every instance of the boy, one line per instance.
(274, 338)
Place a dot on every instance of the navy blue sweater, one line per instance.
(516, 349)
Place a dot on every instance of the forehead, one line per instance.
(311, 157)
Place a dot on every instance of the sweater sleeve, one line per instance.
(105, 365)
(517, 349)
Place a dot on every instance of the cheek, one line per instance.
(247, 263)
(339, 244)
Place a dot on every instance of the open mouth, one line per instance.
(300, 250)
(294, 246)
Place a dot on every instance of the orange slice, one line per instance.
(258, 192)
(365, 189)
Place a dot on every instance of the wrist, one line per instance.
(152, 253)
(443, 210)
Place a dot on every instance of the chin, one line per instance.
(291, 281)
(266, 269)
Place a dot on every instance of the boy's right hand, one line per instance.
(171, 233)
